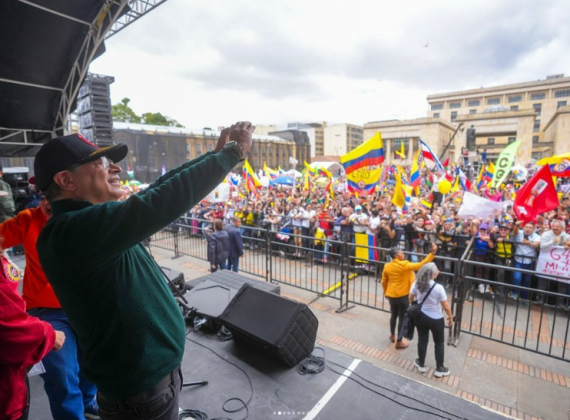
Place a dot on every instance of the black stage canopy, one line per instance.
(46, 47)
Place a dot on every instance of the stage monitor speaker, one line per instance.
(283, 327)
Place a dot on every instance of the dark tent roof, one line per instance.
(46, 47)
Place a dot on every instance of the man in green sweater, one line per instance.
(117, 300)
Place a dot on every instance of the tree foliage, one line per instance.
(124, 113)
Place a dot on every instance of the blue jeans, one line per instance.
(67, 389)
(519, 277)
(233, 264)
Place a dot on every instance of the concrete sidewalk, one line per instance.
(514, 382)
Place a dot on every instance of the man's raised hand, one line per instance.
(224, 138)
(241, 132)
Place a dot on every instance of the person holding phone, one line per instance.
(130, 327)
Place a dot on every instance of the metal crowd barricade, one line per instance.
(332, 269)
(523, 317)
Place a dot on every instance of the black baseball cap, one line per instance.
(62, 152)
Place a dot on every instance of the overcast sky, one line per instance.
(212, 62)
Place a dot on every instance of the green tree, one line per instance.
(122, 112)
(156, 118)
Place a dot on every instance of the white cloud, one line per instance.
(209, 63)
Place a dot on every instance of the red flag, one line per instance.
(537, 196)
(445, 163)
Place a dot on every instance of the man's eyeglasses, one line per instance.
(106, 162)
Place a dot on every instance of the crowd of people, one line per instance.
(97, 312)
(309, 223)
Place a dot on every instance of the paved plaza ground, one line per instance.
(512, 381)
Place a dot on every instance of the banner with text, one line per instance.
(554, 261)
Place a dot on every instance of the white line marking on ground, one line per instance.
(330, 393)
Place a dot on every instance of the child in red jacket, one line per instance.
(25, 341)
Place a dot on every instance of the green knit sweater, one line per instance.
(117, 300)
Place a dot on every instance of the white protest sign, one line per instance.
(220, 194)
(554, 261)
(479, 207)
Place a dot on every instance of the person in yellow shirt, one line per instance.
(397, 279)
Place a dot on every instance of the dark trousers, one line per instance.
(159, 403)
(425, 324)
(398, 308)
(221, 266)
(307, 241)
(233, 264)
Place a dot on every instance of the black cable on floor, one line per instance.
(244, 404)
(224, 334)
(312, 365)
(195, 414)
(388, 389)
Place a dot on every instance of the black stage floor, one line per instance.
(280, 392)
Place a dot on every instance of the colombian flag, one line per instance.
(363, 181)
(562, 170)
(312, 171)
(417, 164)
(369, 153)
(366, 252)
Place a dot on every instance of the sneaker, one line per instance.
(514, 296)
(421, 368)
(441, 372)
(481, 288)
(92, 412)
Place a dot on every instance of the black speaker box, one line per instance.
(284, 328)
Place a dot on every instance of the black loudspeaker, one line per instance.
(284, 328)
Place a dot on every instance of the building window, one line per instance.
(210, 147)
(512, 140)
(198, 149)
(474, 102)
(537, 108)
(435, 107)
(536, 155)
(514, 107)
(535, 139)
(561, 104)
(151, 163)
(493, 101)
(454, 105)
(562, 93)
(515, 98)
(491, 140)
(436, 114)
(537, 96)
(536, 127)
(453, 116)
(472, 111)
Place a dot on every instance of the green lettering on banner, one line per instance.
(505, 163)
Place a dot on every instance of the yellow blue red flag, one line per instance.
(369, 153)
(363, 180)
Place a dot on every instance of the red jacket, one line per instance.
(24, 229)
(25, 340)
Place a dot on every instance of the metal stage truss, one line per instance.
(138, 8)
(40, 80)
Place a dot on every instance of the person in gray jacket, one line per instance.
(218, 247)
(556, 236)
(7, 206)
